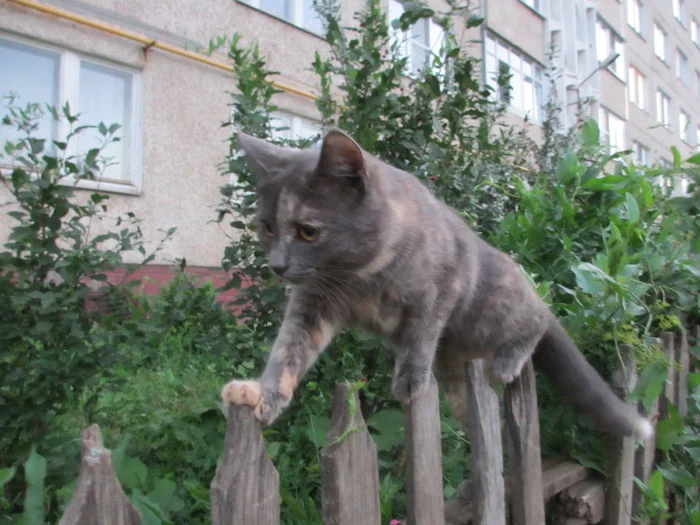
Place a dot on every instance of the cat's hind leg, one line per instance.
(449, 368)
(507, 361)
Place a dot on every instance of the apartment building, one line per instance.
(136, 63)
(647, 99)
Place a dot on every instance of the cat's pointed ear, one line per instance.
(341, 156)
(263, 158)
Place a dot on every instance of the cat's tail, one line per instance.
(557, 357)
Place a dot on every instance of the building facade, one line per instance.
(100, 56)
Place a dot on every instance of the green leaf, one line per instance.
(590, 133)
(656, 485)
(132, 473)
(676, 157)
(390, 425)
(669, 430)
(34, 474)
(6, 475)
(678, 475)
(474, 21)
(318, 429)
(102, 129)
(695, 159)
(632, 208)
(650, 384)
(163, 494)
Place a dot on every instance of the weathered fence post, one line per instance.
(618, 502)
(487, 489)
(424, 459)
(349, 473)
(682, 355)
(98, 497)
(524, 459)
(245, 490)
(645, 455)
(668, 397)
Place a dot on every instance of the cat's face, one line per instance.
(319, 215)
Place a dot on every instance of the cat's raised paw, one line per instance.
(247, 393)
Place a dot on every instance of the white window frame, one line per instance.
(695, 31)
(642, 154)
(612, 129)
(680, 11)
(637, 88)
(535, 5)
(68, 89)
(523, 69)
(660, 45)
(436, 37)
(635, 15)
(296, 126)
(296, 12)
(684, 126)
(608, 41)
(682, 66)
(663, 109)
(697, 83)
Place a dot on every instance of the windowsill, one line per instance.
(292, 24)
(663, 61)
(640, 108)
(123, 188)
(616, 76)
(533, 10)
(638, 33)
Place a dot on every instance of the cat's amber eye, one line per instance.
(307, 233)
(267, 229)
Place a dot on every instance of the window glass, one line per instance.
(32, 74)
(105, 96)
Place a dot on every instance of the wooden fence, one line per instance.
(245, 490)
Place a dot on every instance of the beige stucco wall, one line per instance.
(184, 103)
(518, 24)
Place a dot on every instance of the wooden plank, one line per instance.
(585, 499)
(618, 504)
(349, 472)
(98, 497)
(524, 459)
(245, 489)
(560, 473)
(425, 504)
(488, 492)
(682, 356)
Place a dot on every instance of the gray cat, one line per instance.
(365, 244)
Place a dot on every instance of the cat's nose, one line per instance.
(279, 268)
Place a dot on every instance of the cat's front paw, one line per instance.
(247, 393)
(410, 383)
(267, 405)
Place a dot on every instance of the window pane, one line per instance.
(602, 42)
(312, 21)
(420, 56)
(31, 73)
(419, 32)
(281, 127)
(105, 96)
(659, 42)
(280, 8)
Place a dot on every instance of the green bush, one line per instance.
(53, 347)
